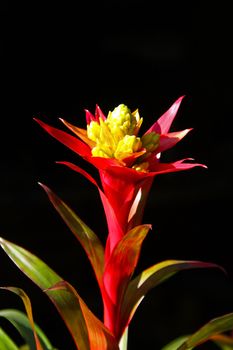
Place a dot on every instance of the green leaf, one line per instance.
(30, 265)
(215, 326)
(67, 303)
(149, 279)
(34, 340)
(21, 323)
(5, 342)
(87, 238)
(174, 344)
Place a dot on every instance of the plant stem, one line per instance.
(124, 340)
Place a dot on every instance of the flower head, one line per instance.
(127, 162)
(116, 137)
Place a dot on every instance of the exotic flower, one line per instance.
(127, 164)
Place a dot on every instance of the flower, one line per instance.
(127, 165)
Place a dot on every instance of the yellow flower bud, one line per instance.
(127, 146)
(116, 137)
(150, 141)
(99, 151)
(122, 122)
(93, 131)
(105, 136)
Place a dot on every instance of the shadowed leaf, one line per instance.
(215, 326)
(223, 341)
(67, 304)
(34, 341)
(69, 300)
(21, 323)
(174, 344)
(87, 238)
(149, 279)
(30, 265)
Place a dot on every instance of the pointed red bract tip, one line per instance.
(89, 116)
(163, 124)
(98, 113)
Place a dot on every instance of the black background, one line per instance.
(57, 60)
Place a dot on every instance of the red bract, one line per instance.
(123, 192)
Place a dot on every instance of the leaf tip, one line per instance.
(2, 241)
(43, 186)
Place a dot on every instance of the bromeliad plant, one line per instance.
(127, 164)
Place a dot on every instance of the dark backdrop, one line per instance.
(57, 60)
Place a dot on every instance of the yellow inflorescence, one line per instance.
(116, 137)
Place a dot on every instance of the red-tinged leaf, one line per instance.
(121, 193)
(150, 278)
(129, 174)
(78, 146)
(68, 300)
(131, 158)
(163, 124)
(45, 278)
(215, 326)
(87, 238)
(28, 308)
(20, 321)
(81, 133)
(121, 266)
(112, 219)
(68, 140)
(162, 168)
(123, 260)
(171, 139)
(115, 231)
(156, 168)
(79, 170)
(30, 265)
(223, 341)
